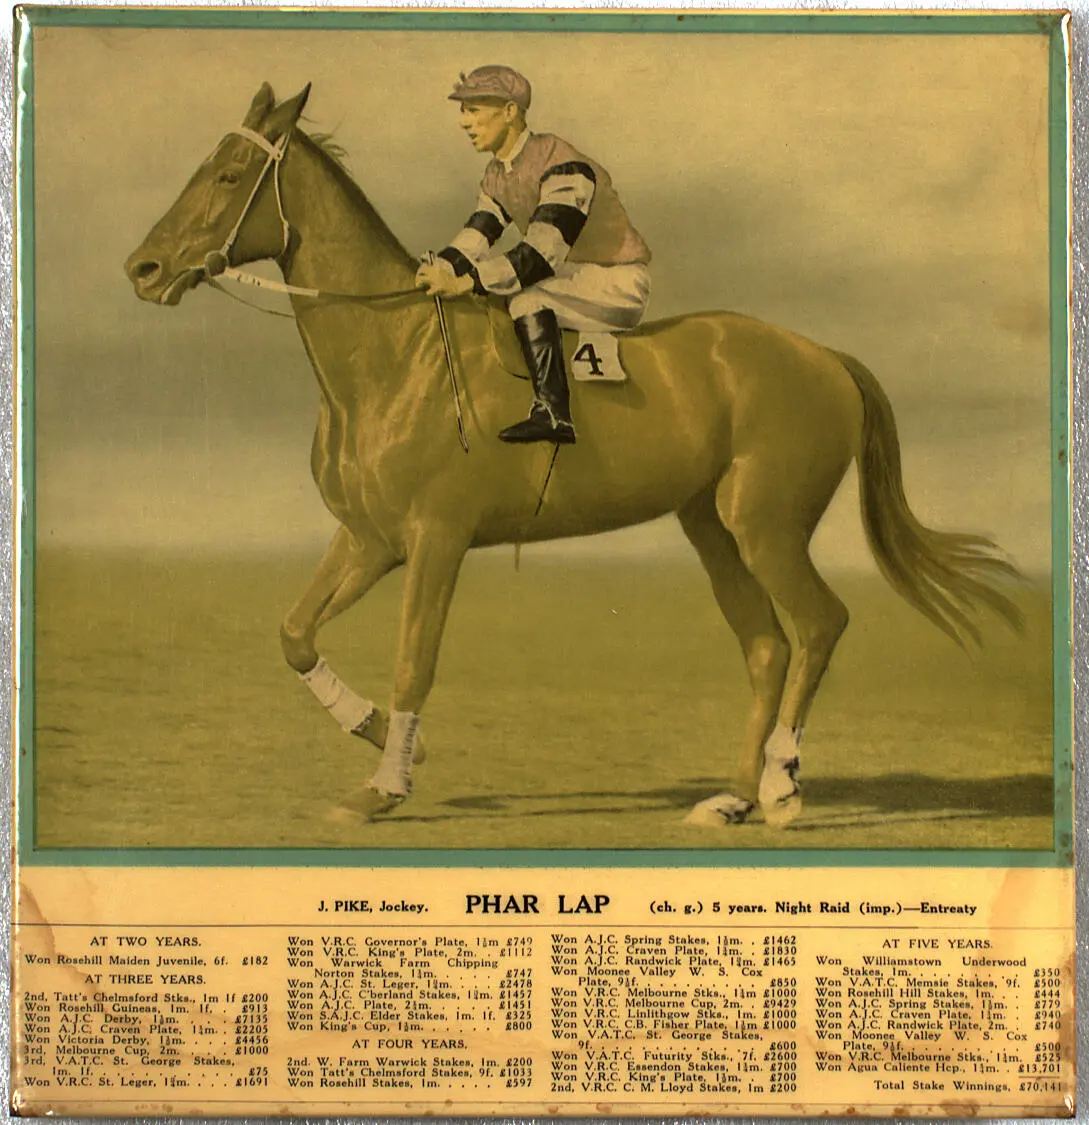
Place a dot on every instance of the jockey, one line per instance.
(580, 264)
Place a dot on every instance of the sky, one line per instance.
(884, 195)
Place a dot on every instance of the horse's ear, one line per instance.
(283, 118)
(262, 102)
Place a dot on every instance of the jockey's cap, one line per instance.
(493, 82)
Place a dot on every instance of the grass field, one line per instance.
(586, 705)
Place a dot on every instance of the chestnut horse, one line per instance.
(744, 430)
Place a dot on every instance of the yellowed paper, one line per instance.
(548, 991)
(742, 785)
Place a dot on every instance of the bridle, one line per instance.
(217, 263)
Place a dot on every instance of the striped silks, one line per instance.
(567, 190)
(477, 237)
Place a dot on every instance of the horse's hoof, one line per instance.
(366, 805)
(722, 809)
(780, 798)
(374, 730)
(784, 811)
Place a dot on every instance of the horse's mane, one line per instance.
(336, 154)
(333, 149)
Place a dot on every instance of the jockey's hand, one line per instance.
(439, 279)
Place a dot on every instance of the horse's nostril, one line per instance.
(145, 271)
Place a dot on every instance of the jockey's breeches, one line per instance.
(589, 297)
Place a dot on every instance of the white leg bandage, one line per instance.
(394, 773)
(779, 794)
(781, 746)
(778, 788)
(351, 711)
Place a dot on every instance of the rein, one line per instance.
(231, 273)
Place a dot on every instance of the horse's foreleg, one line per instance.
(349, 568)
(749, 612)
(433, 565)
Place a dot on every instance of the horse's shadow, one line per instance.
(839, 798)
(1014, 795)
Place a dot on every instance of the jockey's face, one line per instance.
(488, 124)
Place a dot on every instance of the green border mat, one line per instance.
(953, 23)
(1051, 24)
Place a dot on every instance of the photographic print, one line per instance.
(889, 204)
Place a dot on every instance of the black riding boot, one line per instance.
(550, 416)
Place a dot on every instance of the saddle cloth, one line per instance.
(590, 357)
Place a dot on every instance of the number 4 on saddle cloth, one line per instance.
(589, 357)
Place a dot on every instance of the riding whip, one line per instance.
(449, 361)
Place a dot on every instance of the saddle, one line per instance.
(589, 357)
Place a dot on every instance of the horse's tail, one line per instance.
(946, 576)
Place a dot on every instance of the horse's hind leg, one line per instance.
(772, 507)
(749, 612)
(348, 569)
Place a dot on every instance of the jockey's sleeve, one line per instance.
(566, 192)
(477, 237)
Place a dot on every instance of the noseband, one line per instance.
(216, 261)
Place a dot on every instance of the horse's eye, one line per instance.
(229, 178)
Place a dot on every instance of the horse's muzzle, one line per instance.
(152, 283)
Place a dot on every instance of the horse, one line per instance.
(742, 429)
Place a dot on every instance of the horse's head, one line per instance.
(230, 211)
